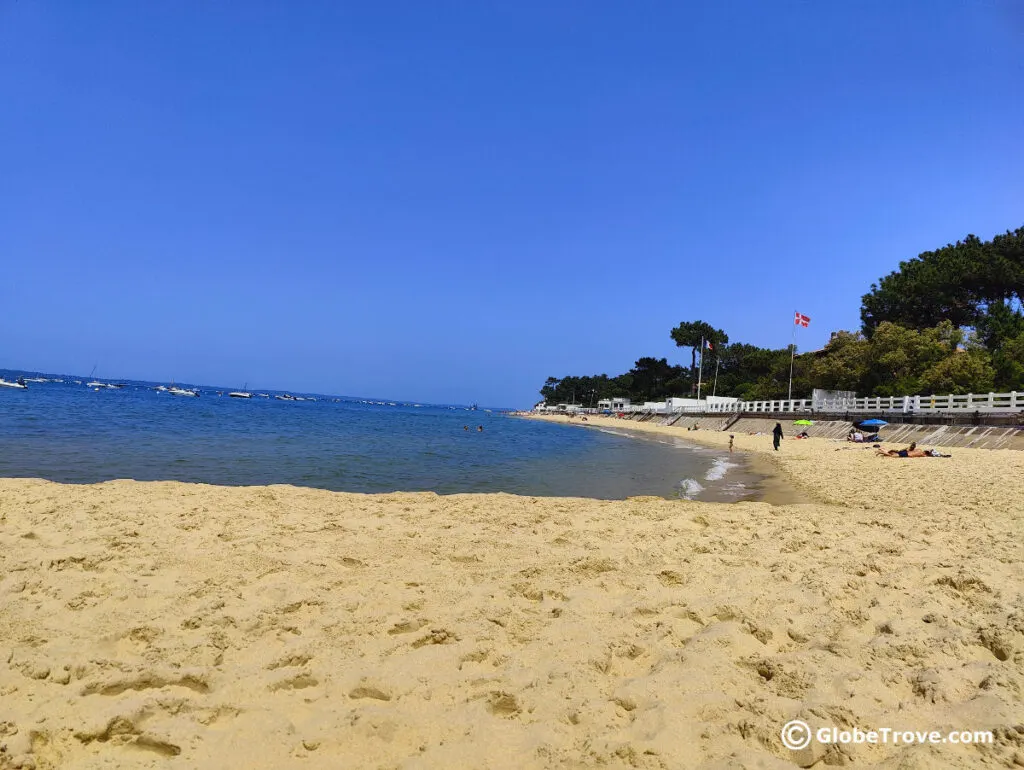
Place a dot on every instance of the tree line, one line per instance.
(946, 321)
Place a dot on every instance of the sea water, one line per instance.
(70, 433)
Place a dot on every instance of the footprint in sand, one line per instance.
(503, 704)
(301, 681)
(407, 626)
(368, 688)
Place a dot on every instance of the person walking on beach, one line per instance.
(777, 435)
(731, 437)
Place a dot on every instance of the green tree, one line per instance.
(843, 365)
(963, 283)
(899, 357)
(586, 390)
(652, 379)
(749, 372)
(965, 371)
(1008, 363)
(1000, 322)
(689, 335)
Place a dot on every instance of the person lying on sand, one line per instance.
(911, 451)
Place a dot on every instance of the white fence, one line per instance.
(970, 402)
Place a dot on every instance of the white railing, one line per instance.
(969, 402)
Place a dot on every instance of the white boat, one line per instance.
(95, 384)
(182, 392)
(240, 394)
(18, 384)
(35, 379)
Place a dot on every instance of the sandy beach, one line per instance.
(169, 625)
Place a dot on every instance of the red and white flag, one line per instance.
(802, 320)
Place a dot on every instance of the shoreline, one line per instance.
(774, 486)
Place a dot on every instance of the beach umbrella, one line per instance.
(873, 423)
(803, 422)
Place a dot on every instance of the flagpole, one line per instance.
(700, 371)
(792, 356)
(714, 388)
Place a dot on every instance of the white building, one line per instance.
(614, 404)
(683, 403)
(689, 404)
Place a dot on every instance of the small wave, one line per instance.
(736, 490)
(718, 469)
(689, 488)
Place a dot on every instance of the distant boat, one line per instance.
(243, 393)
(96, 384)
(286, 397)
(18, 384)
(35, 379)
(182, 392)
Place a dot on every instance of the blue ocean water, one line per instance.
(68, 432)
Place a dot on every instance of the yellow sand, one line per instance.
(181, 626)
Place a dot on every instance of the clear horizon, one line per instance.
(448, 204)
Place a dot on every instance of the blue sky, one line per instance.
(450, 201)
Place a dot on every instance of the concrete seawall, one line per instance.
(976, 436)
